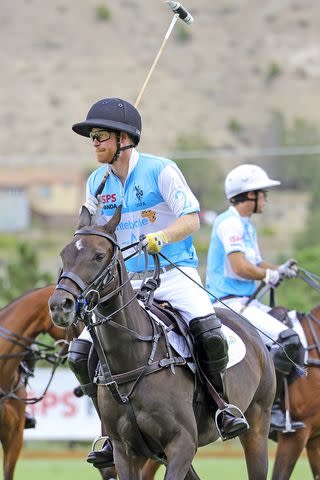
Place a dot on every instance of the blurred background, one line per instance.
(240, 85)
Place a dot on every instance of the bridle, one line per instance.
(89, 296)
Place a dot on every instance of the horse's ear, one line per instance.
(114, 222)
(84, 218)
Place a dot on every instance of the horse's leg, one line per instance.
(12, 420)
(109, 473)
(290, 446)
(128, 464)
(180, 452)
(149, 469)
(255, 442)
(313, 451)
(192, 475)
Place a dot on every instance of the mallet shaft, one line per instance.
(179, 12)
(167, 35)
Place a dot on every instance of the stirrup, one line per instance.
(98, 439)
(228, 407)
(289, 424)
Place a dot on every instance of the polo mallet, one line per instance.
(252, 296)
(179, 12)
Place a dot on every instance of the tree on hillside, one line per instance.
(294, 171)
(22, 274)
(296, 294)
(203, 174)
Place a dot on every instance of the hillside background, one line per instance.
(242, 79)
(240, 61)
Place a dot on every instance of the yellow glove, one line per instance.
(156, 241)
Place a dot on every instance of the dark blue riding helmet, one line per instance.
(113, 114)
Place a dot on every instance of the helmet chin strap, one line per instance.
(120, 149)
(255, 200)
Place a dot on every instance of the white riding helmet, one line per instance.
(246, 178)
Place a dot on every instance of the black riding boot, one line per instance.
(30, 421)
(291, 343)
(27, 366)
(78, 357)
(212, 350)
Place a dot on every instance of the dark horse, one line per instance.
(20, 323)
(158, 412)
(304, 395)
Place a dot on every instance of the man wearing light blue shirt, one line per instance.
(158, 204)
(234, 264)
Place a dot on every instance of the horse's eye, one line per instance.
(99, 256)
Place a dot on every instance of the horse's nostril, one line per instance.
(67, 305)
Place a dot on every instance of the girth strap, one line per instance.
(127, 377)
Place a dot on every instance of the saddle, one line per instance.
(281, 314)
(174, 322)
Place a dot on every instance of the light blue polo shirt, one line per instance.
(231, 233)
(154, 195)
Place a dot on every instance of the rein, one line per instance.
(310, 278)
(47, 353)
(21, 341)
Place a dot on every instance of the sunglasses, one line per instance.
(100, 136)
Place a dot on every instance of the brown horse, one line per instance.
(304, 395)
(157, 415)
(20, 322)
(27, 316)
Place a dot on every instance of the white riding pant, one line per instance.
(257, 314)
(181, 292)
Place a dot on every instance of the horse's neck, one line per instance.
(311, 326)
(123, 350)
(25, 317)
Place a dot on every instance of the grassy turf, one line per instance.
(235, 469)
(218, 460)
(208, 468)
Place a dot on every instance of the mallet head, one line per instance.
(177, 8)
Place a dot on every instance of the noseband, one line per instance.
(103, 279)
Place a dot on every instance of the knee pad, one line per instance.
(78, 354)
(291, 345)
(30, 358)
(211, 345)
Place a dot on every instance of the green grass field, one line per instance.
(207, 469)
(219, 460)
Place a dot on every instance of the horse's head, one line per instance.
(89, 263)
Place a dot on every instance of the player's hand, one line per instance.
(272, 278)
(289, 269)
(154, 241)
